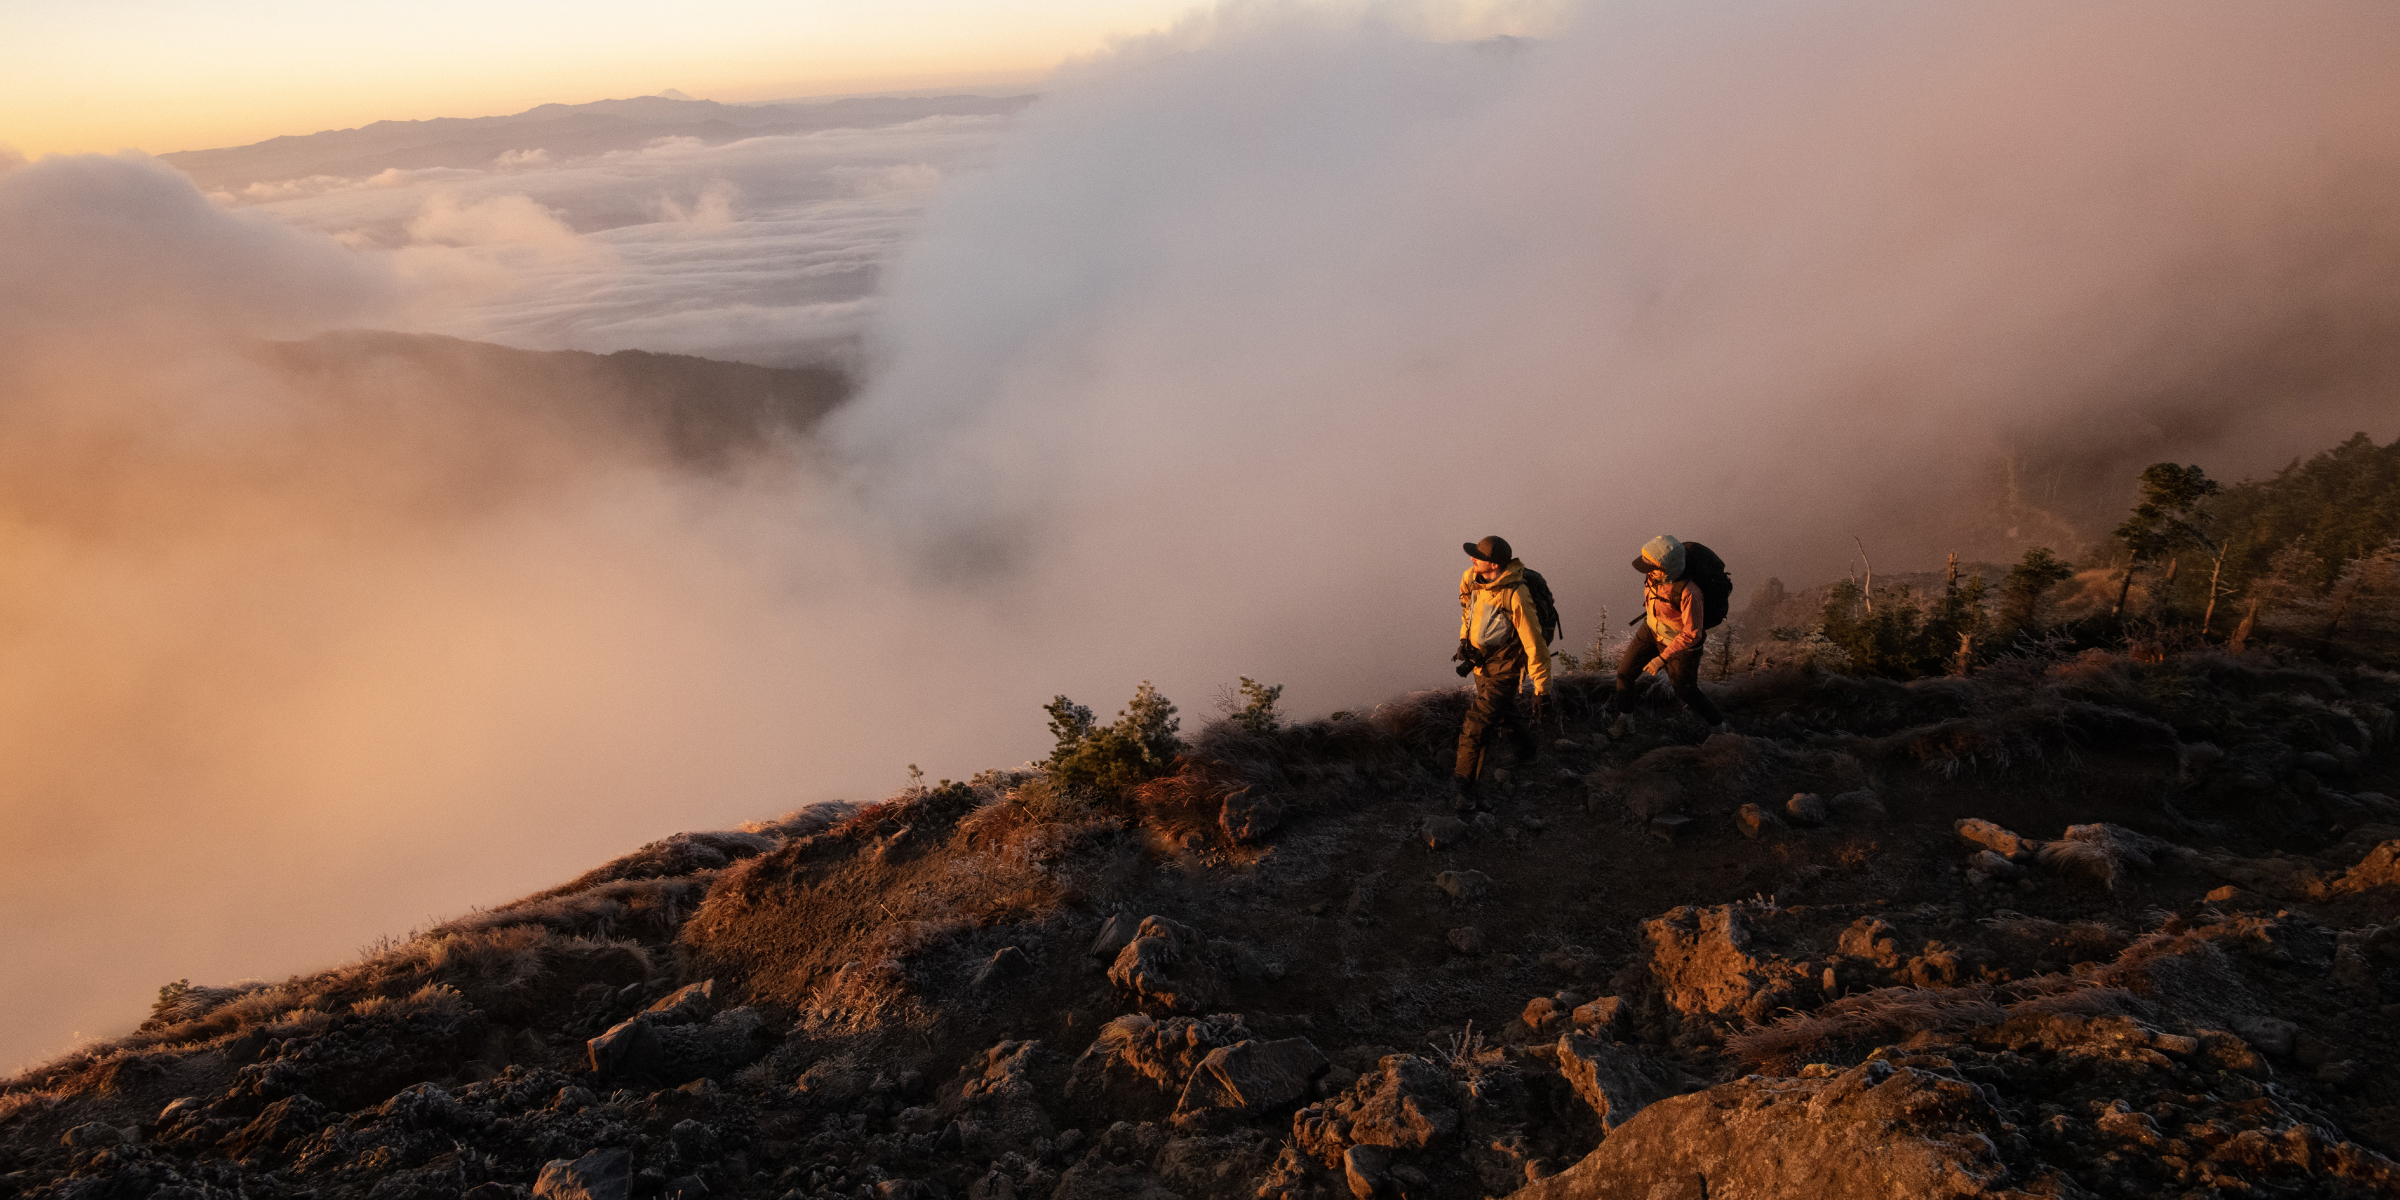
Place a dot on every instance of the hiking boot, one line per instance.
(1466, 795)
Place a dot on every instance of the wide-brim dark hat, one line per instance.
(1493, 549)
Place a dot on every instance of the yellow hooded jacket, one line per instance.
(1488, 612)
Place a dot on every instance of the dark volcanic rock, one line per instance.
(599, 1175)
(1246, 1080)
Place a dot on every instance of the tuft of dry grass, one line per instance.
(1880, 1015)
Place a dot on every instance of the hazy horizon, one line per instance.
(1201, 365)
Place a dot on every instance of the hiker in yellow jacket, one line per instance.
(1500, 638)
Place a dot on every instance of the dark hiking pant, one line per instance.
(1494, 709)
(1683, 671)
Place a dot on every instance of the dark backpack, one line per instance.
(1706, 571)
(1545, 609)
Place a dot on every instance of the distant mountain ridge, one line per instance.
(698, 413)
(560, 130)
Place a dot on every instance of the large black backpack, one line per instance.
(1545, 609)
(1706, 571)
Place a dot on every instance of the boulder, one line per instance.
(1754, 821)
(1138, 1067)
(629, 1048)
(1466, 887)
(1872, 939)
(98, 1133)
(1605, 1017)
(1367, 1169)
(733, 1039)
(1979, 832)
(998, 1097)
(1248, 817)
(691, 1002)
(1005, 964)
(1403, 1104)
(1166, 965)
(1875, 1132)
(283, 1122)
(1616, 1080)
(1993, 865)
(2379, 869)
(1806, 808)
(1115, 932)
(599, 1175)
(1860, 803)
(2273, 1036)
(1249, 1079)
(1541, 1014)
(1701, 961)
(1440, 831)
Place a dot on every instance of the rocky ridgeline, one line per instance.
(2088, 927)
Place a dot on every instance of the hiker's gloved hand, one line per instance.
(1468, 657)
(1534, 709)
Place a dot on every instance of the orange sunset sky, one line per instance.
(165, 75)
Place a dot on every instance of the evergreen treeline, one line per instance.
(2310, 556)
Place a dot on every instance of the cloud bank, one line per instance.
(767, 249)
(1203, 367)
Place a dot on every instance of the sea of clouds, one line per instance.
(766, 249)
(1202, 366)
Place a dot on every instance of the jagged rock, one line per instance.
(93, 1134)
(600, 1175)
(1115, 933)
(1701, 960)
(1669, 827)
(1862, 802)
(1806, 808)
(1440, 831)
(1117, 1166)
(1870, 938)
(1137, 1067)
(1006, 963)
(1467, 939)
(1404, 1104)
(1466, 887)
(1993, 865)
(732, 1040)
(1166, 964)
(282, 1123)
(1616, 1081)
(1604, 1017)
(1999, 841)
(1541, 1013)
(1247, 1080)
(1367, 1169)
(999, 1097)
(1755, 821)
(1875, 1131)
(1247, 817)
(2379, 869)
(691, 1002)
(629, 1048)
(2272, 1035)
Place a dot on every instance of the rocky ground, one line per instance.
(2080, 927)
